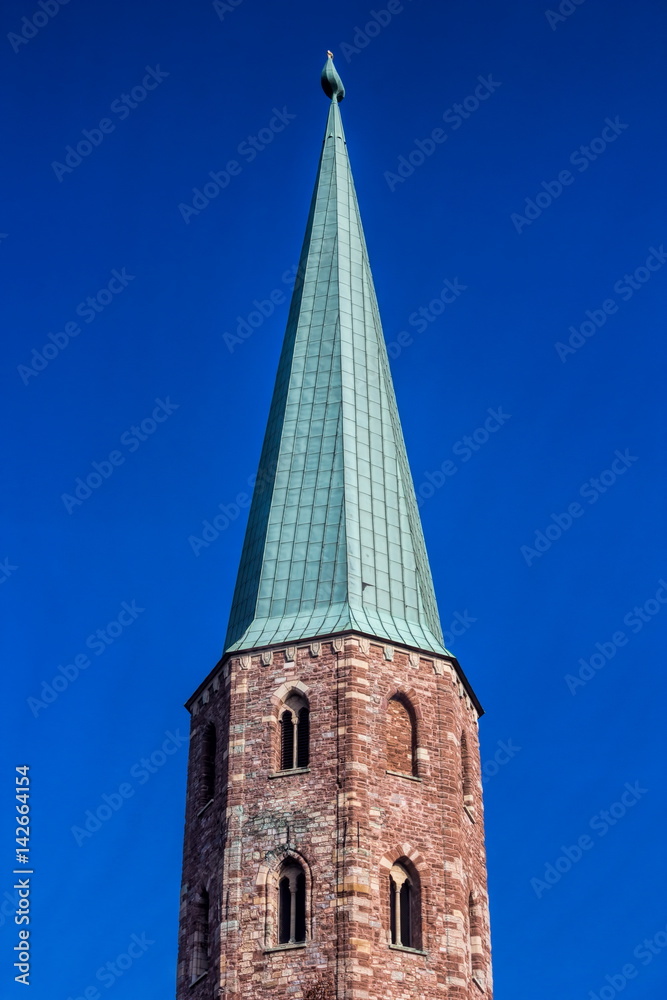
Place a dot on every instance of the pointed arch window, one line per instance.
(201, 936)
(207, 774)
(291, 904)
(294, 733)
(404, 908)
(401, 736)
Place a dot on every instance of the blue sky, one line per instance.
(541, 202)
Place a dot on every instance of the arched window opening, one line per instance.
(201, 939)
(303, 738)
(300, 907)
(476, 956)
(295, 734)
(466, 773)
(286, 741)
(207, 782)
(401, 737)
(284, 910)
(291, 904)
(404, 908)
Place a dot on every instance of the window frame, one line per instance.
(291, 866)
(200, 951)
(467, 782)
(294, 748)
(404, 701)
(207, 766)
(476, 958)
(405, 907)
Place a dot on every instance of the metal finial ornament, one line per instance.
(332, 85)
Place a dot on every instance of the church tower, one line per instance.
(334, 844)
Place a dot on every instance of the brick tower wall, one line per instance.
(346, 819)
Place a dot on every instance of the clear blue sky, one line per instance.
(553, 86)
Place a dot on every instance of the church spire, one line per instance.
(334, 540)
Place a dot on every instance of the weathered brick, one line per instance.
(348, 819)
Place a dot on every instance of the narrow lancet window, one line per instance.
(287, 741)
(200, 942)
(466, 773)
(207, 782)
(303, 738)
(294, 734)
(404, 909)
(291, 904)
(401, 737)
(476, 956)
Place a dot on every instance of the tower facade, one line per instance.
(334, 844)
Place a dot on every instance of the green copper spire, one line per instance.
(334, 541)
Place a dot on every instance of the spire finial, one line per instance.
(332, 85)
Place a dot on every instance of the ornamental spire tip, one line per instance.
(332, 85)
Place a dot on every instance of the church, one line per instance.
(334, 835)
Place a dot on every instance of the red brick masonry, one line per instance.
(347, 819)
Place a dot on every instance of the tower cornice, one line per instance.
(439, 661)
